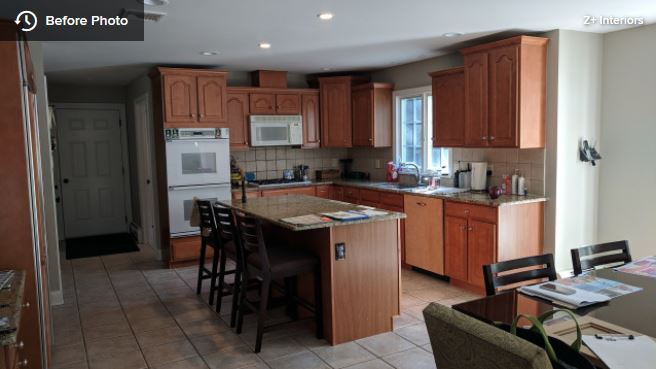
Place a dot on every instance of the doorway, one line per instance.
(93, 169)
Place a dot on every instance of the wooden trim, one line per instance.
(445, 72)
(263, 90)
(517, 40)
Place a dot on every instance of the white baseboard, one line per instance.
(56, 298)
(136, 231)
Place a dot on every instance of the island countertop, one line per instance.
(275, 208)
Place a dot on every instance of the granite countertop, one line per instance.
(11, 305)
(275, 208)
(445, 193)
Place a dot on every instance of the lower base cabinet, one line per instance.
(424, 242)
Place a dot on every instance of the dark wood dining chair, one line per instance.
(603, 254)
(266, 265)
(516, 271)
(207, 238)
(226, 232)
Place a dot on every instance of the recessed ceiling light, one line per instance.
(325, 16)
(326, 69)
(265, 45)
(153, 2)
(453, 34)
(209, 53)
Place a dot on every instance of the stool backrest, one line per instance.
(225, 222)
(251, 239)
(526, 269)
(589, 257)
(208, 229)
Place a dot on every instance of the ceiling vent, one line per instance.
(145, 15)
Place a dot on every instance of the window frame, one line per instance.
(427, 140)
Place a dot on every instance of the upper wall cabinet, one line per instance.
(336, 119)
(372, 114)
(311, 117)
(237, 122)
(275, 103)
(504, 92)
(449, 107)
(192, 98)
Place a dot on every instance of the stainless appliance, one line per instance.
(276, 130)
(197, 165)
(479, 176)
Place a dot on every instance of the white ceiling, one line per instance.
(364, 34)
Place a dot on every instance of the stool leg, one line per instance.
(290, 293)
(215, 262)
(221, 277)
(235, 297)
(243, 290)
(201, 266)
(261, 314)
(318, 303)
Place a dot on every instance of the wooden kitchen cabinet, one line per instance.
(424, 243)
(191, 97)
(262, 103)
(338, 193)
(288, 104)
(476, 235)
(336, 119)
(505, 93)
(311, 117)
(309, 190)
(448, 107)
(372, 114)
(237, 111)
(275, 103)
(325, 192)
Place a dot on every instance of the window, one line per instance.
(414, 131)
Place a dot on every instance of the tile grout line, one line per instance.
(79, 315)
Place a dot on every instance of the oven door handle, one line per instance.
(193, 187)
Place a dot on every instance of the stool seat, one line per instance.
(286, 261)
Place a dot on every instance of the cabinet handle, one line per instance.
(21, 364)
(471, 229)
(19, 345)
(421, 203)
(484, 138)
(466, 211)
(201, 115)
(26, 305)
(492, 138)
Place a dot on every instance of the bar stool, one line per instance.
(207, 238)
(226, 232)
(265, 265)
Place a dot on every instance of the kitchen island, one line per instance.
(361, 286)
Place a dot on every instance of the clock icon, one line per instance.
(28, 19)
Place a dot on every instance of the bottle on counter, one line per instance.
(507, 184)
(521, 186)
(515, 179)
(456, 175)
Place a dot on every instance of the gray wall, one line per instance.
(416, 74)
(628, 172)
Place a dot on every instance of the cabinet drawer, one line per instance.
(351, 194)
(187, 248)
(370, 196)
(324, 192)
(484, 213)
(338, 193)
(391, 199)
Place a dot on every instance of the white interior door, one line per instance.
(145, 168)
(91, 171)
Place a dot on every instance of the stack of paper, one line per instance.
(346, 215)
(645, 267)
(578, 298)
(304, 219)
(623, 353)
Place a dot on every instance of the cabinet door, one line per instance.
(336, 112)
(325, 192)
(180, 98)
(262, 104)
(503, 120)
(482, 245)
(476, 99)
(310, 111)
(288, 104)
(309, 191)
(424, 246)
(338, 193)
(363, 125)
(449, 110)
(212, 99)
(455, 247)
(237, 108)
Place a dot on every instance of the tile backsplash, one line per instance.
(269, 162)
(529, 162)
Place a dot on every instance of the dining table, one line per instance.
(633, 313)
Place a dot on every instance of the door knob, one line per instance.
(148, 181)
(65, 180)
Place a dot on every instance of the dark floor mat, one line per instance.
(106, 244)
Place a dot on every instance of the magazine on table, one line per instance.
(645, 267)
(580, 291)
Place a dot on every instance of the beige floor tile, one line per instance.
(159, 336)
(107, 331)
(206, 345)
(301, 360)
(415, 358)
(152, 324)
(385, 344)
(432, 294)
(67, 355)
(404, 320)
(127, 360)
(204, 327)
(417, 334)
(232, 358)
(277, 347)
(188, 363)
(415, 312)
(80, 365)
(92, 319)
(374, 364)
(146, 311)
(67, 336)
(169, 352)
(341, 356)
(409, 300)
(428, 347)
(204, 313)
(111, 346)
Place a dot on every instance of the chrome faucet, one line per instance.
(402, 165)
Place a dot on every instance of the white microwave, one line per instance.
(276, 130)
